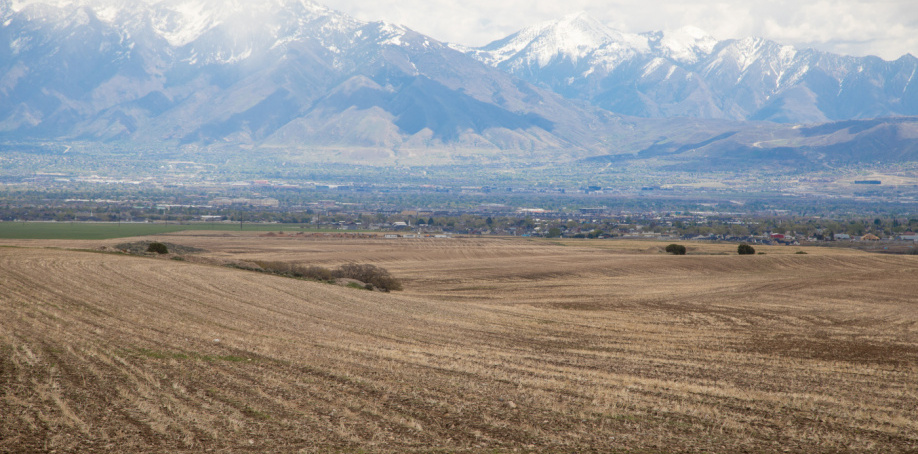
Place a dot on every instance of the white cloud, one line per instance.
(886, 28)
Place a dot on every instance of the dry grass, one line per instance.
(495, 345)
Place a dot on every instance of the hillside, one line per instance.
(688, 73)
(494, 346)
(282, 73)
(304, 83)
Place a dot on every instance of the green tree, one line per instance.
(158, 248)
(745, 249)
(676, 249)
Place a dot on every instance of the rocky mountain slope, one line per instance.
(276, 72)
(689, 73)
(296, 76)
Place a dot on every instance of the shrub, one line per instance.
(313, 272)
(276, 267)
(745, 249)
(800, 252)
(370, 274)
(299, 271)
(158, 248)
(676, 249)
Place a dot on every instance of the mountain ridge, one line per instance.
(292, 74)
(689, 73)
(249, 81)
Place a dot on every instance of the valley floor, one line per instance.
(495, 345)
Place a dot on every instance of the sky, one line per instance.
(886, 28)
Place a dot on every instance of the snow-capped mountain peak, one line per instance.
(687, 72)
(574, 37)
(181, 22)
(687, 44)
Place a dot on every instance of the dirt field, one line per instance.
(495, 345)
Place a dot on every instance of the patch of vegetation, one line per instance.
(745, 249)
(230, 358)
(157, 248)
(676, 249)
(245, 266)
(161, 355)
(800, 252)
(143, 248)
(357, 286)
(81, 230)
(311, 272)
(371, 276)
(108, 230)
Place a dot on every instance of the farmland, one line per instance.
(495, 345)
(107, 230)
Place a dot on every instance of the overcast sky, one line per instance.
(886, 28)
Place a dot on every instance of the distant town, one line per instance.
(407, 210)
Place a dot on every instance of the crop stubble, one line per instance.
(496, 344)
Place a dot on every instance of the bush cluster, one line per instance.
(158, 248)
(676, 249)
(745, 249)
(370, 274)
(366, 273)
(313, 272)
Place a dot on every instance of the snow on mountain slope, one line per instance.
(685, 45)
(574, 38)
(181, 22)
(242, 72)
(686, 72)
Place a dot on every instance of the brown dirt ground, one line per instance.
(495, 345)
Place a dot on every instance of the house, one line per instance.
(842, 236)
(908, 236)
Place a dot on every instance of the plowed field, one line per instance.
(495, 345)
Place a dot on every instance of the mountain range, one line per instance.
(292, 74)
(687, 73)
